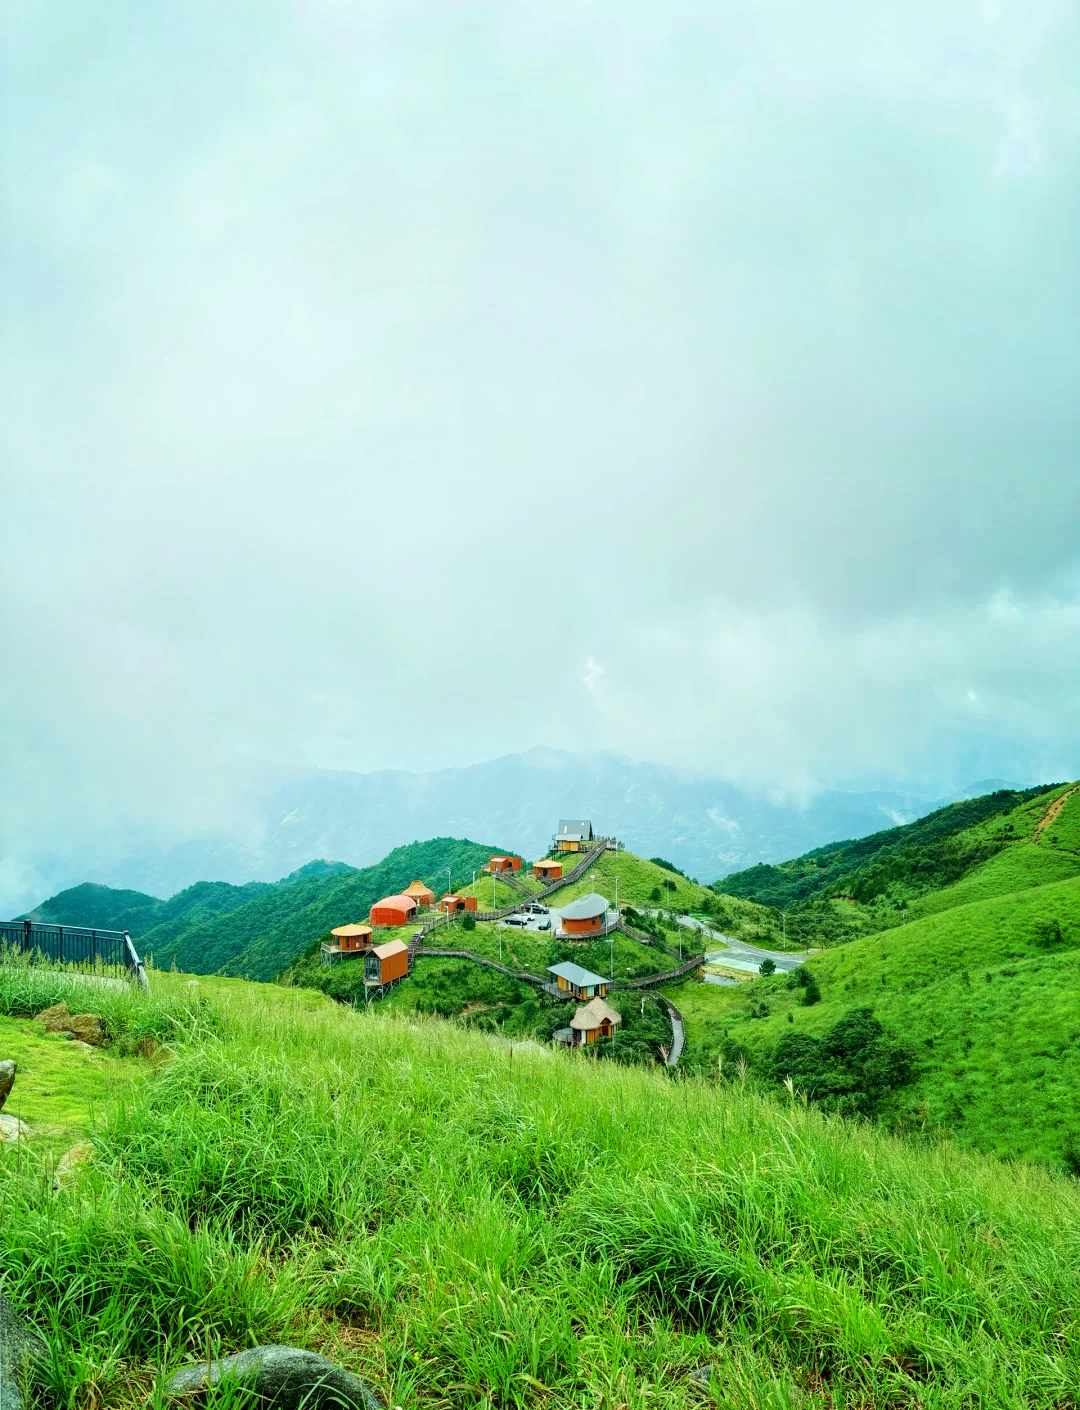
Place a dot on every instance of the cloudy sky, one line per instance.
(401, 384)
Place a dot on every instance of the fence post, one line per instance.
(26, 936)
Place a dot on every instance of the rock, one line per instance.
(55, 1019)
(70, 1161)
(12, 1129)
(7, 1079)
(18, 1344)
(282, 1377)
(701, 1379)
(87, 1028)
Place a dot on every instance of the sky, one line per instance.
(404, 384)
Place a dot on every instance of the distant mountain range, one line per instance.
(706, 826)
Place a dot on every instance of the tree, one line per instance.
(767, 967)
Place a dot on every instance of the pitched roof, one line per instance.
(592, 1015)
(575, 974)
(548, 862)
(575, 829)
(351, 930)
(585, 907)
(392, 947)
(417, 888)
(396, 901)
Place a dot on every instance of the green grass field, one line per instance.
(465, 1227)
(988, 995)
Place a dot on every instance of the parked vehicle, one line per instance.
(515, 920)
(544, 925)
(537, 910)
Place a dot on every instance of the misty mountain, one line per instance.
(706, 826)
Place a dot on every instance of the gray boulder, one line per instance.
(282, 1377)
(7, 1079)
(18, 1345)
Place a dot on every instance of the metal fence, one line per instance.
(79, 946)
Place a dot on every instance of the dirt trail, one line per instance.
(1052, 812)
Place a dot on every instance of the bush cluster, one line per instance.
(851, 1069)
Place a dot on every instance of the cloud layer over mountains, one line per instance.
(406, 384)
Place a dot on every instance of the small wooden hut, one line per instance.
(593, 1021)
(351, 937)
(421, 894)
(573, 834)
(577, 980)
(547, 870)
(387, 963)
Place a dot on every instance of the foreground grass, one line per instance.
(465, 1228)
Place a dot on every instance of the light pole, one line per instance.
(783, 922)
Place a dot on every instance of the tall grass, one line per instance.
(469, 1227)
(129, 1016)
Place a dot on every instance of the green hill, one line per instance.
(99, 907)
(464, 1225)
(992, 845)
(985, 996)
(262, 938)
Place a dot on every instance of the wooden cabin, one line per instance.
(575, 979)
(593, 1021)
(573, 834)
(351, 937)
(393, 910)
(585, 916)
(547, 870)
(450, 904)
(421, 894)
(388, 962)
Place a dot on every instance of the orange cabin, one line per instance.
(351, 937)
(388, 962)
(504, 864)
(547, 870)
(421, 894)
(393, 910)
(449, 904)
(585, 916)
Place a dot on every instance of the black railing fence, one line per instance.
(77, 945)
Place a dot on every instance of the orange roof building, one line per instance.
(547, 870)
(393, 910)
(351, 937)
(421, 894)
(387, 963)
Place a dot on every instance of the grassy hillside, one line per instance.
(524, 950)
(99, 907)
(986, 996)
(463, 1228)
(870, 865)
(262, 938)
(969, 851)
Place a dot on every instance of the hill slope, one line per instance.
(106, 908)
(465, 1229)
(990, 845)
(986, 995)
(260, 939)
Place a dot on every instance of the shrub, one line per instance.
(767, 967)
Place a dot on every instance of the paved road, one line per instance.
(739, 955)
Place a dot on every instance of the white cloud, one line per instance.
(390, 373)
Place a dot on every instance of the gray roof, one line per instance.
(585, 907)
(575, 974)
(575, 829)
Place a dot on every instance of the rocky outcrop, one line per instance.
(18, 1346)
(84, 1027)
(283, 1377)
(12, 1129)
(7, 1080)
